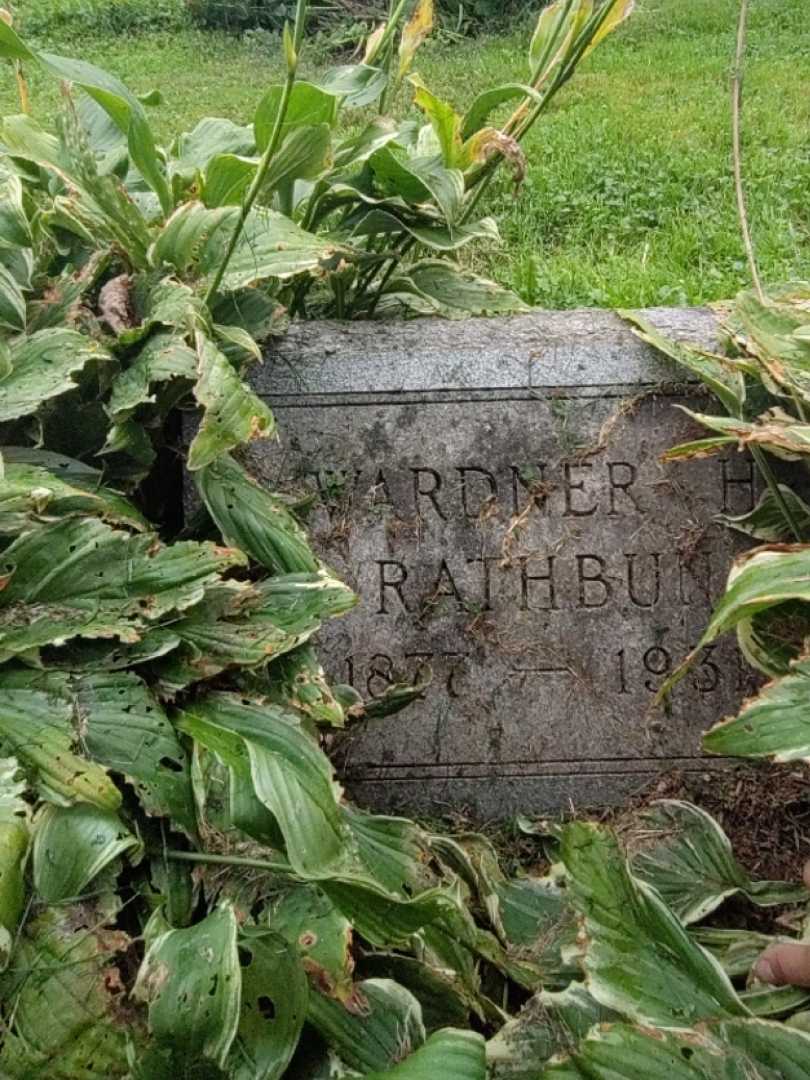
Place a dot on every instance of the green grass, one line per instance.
(628, 198)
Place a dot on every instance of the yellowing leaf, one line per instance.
(416, 30)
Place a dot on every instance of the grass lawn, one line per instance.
(628, 198)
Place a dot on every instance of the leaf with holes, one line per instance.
(637, 957)
(191, 981)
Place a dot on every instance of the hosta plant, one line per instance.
(185, 892)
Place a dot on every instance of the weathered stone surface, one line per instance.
(493, 490)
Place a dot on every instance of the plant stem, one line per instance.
(267, 156)
(227, 860)
(736, 128)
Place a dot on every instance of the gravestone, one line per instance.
(493, 490)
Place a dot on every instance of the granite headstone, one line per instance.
(493, 490)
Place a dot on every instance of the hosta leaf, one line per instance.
(289, 773)
(449, 1054)
(308, 105)
(14, 835)
(743, 1049)
(164, 357)
(357, 84)
(80, 577)
(12, 302)
(548, 1024)
(759, 580)
(686, 857)
(451, 291)
(298, 679)
(767, 521)
(15, 230)
(637, 957)
(270, 246)
(617, 12)
(274, 1006)
(721, 376)
(385, 919)
(551, 37)
(227, 178)
(437, 237)
(777, 430)
(484, 105)
(737, 950)
(321, 936)
(303, 155)
(123, 108)
(31, 493)
(394, 851)
(64, 996)
(774, 336)
(418, 180)
(42, 367)
(379, 1026)
(124, 728)
(416, 30)
(180, 242)
(251, 518)
(444, 120)
(72, 845)
(193, 150)
(774, 724)
(36, 717)
(233, 413)
(191, 980)
(234, 626)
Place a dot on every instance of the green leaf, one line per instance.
(720, 375)
(194, 150)
(449, 1054)
(548, 1024)
(72, 845)
(551, 38)
(451, 291)
(125, 729)
(308, 105)
(320, 934)
(775, 724)
(289, 773)
(356, 84)
(42, 367)
(418, 180)
(436, 237)
(12, 303)
(637, 957)
(484, 105)
(36, 718)
(274, 1006)
(32, 492)
(80, 577)
(240, 625)
(767, 521)
(64, 998)
(734, 1049)
(270, 246)
(379, 1026)
(182, 238)
(233, 413)
(699, 449)
(774, 336)
(124, 109)
(164, 357)
(303, 154)
(191, 980)
(444, 120)
(14, 836)
(251, 518)
(682, 852)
